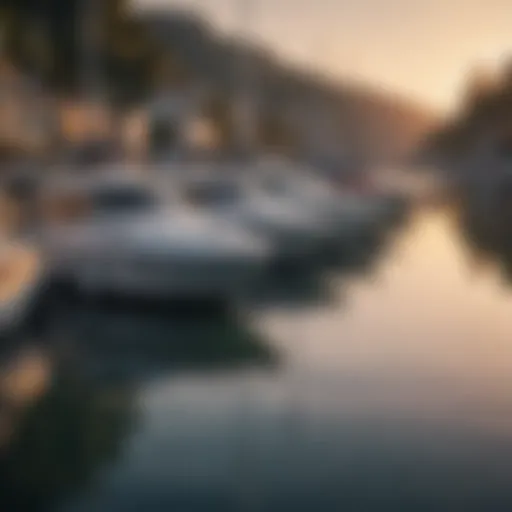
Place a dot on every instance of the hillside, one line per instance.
(131, 54)
(329, 120)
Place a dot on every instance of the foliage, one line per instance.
(49, 38)
(219, 110)
(485, 118)
(274, 132)
(131, 56)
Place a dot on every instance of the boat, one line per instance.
(346, 216)
(119, 234)
(294, 234)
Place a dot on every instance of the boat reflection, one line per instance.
(69, 400)
(297, 290)
(487, 230)
(318, 287)
(59, 430)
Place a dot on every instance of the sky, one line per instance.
(421, 49)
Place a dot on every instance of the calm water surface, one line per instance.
(386, 388)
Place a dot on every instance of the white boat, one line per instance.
(294, 233)
(123, 237)
(345, 215)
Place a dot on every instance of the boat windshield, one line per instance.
(275, 185)
(125, 199)
(214, 193)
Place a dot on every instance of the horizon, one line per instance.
(364, 44)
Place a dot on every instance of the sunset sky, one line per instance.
(420, 48)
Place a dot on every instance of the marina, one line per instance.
(327, 392)
(255, 257)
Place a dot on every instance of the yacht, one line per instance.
(345, 215)
(119, 234)
(294, 234)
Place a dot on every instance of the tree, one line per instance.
(273, 132)
(48, 37)
(219, 110)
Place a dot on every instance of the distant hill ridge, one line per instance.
(369, 124)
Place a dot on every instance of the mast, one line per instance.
(244, 111)
(91, 82)
(93, 85)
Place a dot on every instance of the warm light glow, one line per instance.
(202, 134)
(420, 48)
(80, 121)
(18, 267)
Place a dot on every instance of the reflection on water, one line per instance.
(304, 289)
(59, 436)
(487, 230)
(61, 427)
(395, 394)
(296, 291)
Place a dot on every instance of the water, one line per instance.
(384, 387)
